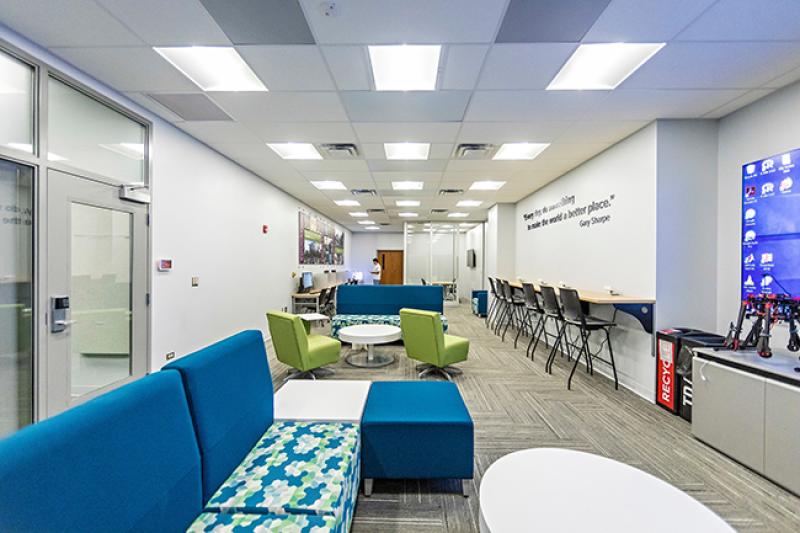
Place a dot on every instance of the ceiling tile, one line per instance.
(647, 21)
(746, 20)
(417, 106)
(715, 66)
(261, 21)
(462, 65)
(649, 104)
(219, 132)
(602, 131)
(332, 165)
(312, 132)
(144, 70)
(575, 152)
(558, 21)
(437, 151)
(500, 132)
(409, 21)
(191, 106)
(511, 106)
(254, 108)
(65, 23)
(153, 106)
(349, 67)
(381, 132)
(784, 80)
(524, 65)
(288, 68)
(177, 23)
(742, 101)
(431, 165)
(405, 175)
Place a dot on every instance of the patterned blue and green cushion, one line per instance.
(246, 523)
(340, 321)
(297, 468)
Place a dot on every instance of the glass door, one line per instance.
(16, 296)
(97, 287)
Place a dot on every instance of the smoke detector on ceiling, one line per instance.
(474, 151)
(339, 150)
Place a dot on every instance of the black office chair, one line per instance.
(514, 304)
(586, 324)
(493, 303)
(552, 312)
(424, 282)
(331, 307)
(534, 314)
(322, 299)
(502, 307)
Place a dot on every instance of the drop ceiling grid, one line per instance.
(721, 55)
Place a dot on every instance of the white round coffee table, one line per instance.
(369, 335)
(555, 490)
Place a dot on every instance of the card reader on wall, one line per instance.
(58, 313)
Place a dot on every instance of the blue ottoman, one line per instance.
(416, 430)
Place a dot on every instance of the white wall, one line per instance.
(686, 261)
(767, 127)
(207, 215)
(365, 245)
(471, 279)
(501, 241)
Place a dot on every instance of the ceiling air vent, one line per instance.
(364, 192)
(339, 150)
(474, 151)
(376, 210)
(445, 192)
(384, 224)
(438, 210)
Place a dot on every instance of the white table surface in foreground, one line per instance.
(555, 490)
(321, 401)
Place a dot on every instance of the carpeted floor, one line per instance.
(516, 405)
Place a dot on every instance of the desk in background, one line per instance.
(639, 307)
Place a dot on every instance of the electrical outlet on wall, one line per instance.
(195, 281)
(170, 356)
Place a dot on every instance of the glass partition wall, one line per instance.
(432, 252)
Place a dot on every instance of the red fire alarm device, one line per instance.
(265, 229)
(164, 265)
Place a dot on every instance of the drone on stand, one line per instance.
(764, 311)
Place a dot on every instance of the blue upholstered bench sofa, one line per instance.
(381, 304)
(193, 446)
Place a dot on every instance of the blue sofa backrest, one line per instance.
(229, 388)
(388, 299)
(125, 461)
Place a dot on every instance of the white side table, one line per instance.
(556, 490)
(369, 335)
(322, 401)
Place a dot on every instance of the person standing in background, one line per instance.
(376, 271)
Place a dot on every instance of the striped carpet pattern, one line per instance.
(516, 405)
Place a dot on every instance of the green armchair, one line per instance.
(425, 341)
(297, 347)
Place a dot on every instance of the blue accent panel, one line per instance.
(641, 312)
(229, 388)
(416, 430)
(388, 299)
(125, 461)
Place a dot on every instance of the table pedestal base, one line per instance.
(369, 359)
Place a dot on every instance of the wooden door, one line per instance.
(392, 266)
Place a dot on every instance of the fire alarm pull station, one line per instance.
(58, 313)
(164, 265)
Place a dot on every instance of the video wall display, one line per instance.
(320, 242)
(771, 225)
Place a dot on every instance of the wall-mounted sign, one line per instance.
(593, 213)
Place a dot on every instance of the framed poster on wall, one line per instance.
(319, 241)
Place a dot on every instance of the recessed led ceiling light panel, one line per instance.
(213, 68)
(457, 215)
(602, 66)
(295, 150)
(366, 222)
(329, 185)
(407, 203)
(486, 185)
(359, 214)
(407, 185)
(347, 203)
(372, 227)
(519, 151)
(469, 203)
(408, 215)
(407, 151)
(405, 67)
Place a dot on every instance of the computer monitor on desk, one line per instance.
(306, 281)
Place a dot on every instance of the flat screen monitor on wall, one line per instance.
(771, 225)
